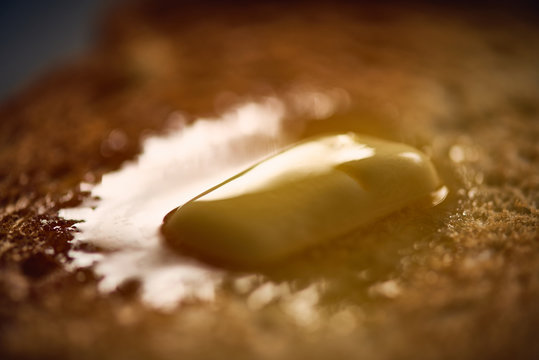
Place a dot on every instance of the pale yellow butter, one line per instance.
(309, 193)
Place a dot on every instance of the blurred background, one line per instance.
(38, 35)
(35, 35)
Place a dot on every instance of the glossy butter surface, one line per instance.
(309, 193)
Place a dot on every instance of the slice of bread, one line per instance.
(460, 281)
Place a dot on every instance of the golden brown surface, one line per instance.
(461, 281)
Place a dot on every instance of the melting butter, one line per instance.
(309, 193)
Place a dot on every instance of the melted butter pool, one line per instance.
(171, 170)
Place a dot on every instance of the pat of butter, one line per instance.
(309, 193)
